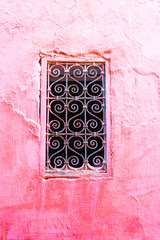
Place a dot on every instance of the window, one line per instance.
(75, 124)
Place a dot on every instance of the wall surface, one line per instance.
(126, 207)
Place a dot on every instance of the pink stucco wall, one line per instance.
(126, 207)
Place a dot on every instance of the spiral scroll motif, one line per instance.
(57, 71)
(57, 162)
(56, 125)
(97, 161)
(94, 72)
(76, 71)
(57, 89)
(57, 107)
(75, 117)
(96, 107)
(56, 143)
(75, 90)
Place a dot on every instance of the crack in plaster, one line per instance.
(146, 73)
(145, 235)
(33, 126)
(74, 5)
(55, 52)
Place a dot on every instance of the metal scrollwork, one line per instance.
(56, 71)
(75, 117)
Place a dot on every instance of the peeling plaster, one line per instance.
(55, 52)
(146, 73)
(33, 126)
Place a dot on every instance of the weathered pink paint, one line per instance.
(125, 207)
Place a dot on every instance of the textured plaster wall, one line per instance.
(126, 207)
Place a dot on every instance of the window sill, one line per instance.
(78, 175)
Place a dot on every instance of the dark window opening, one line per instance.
(75, 117)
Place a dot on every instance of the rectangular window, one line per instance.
(75, 117)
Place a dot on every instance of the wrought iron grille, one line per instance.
(76, 124)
